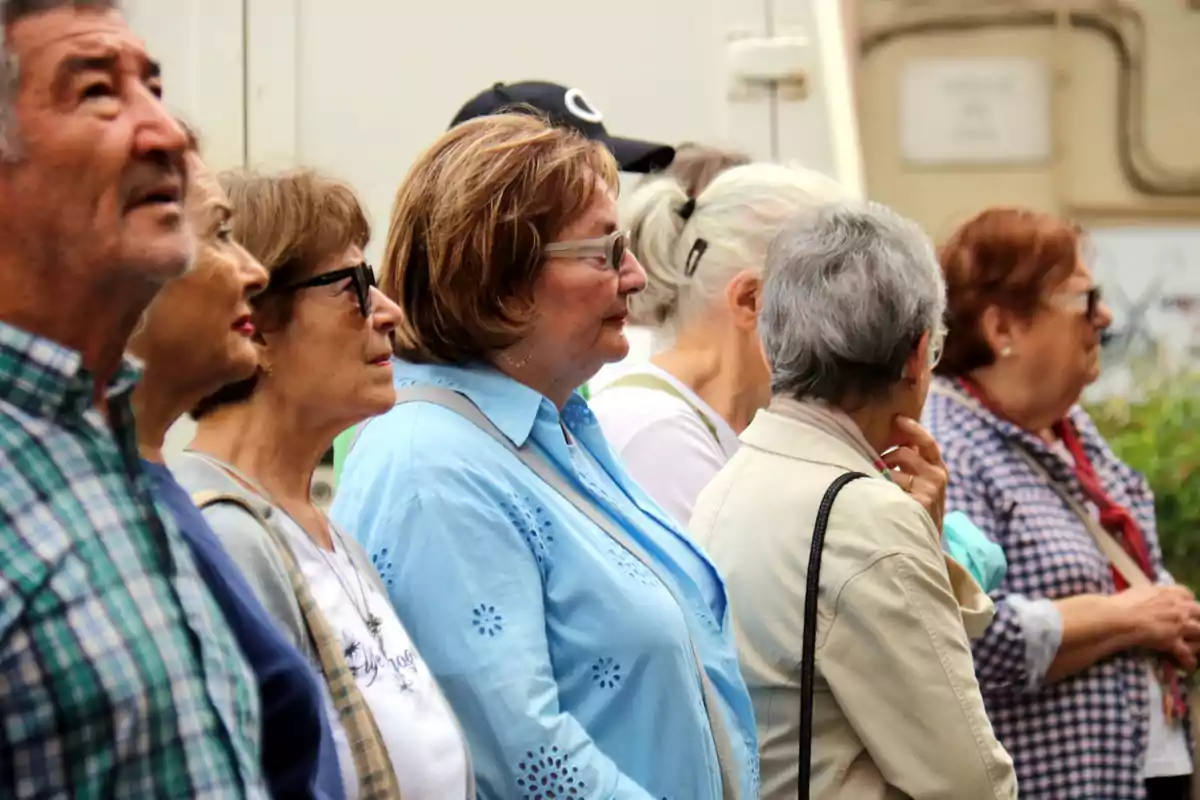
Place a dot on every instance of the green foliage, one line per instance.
(1158, 434)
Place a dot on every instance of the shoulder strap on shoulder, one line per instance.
(207, 497)
(808, 643)
(462, 405)
(645, 380)
(358, 430)
(377, 779)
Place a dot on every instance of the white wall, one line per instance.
(199, 43)
(359, 87)
(200, 46)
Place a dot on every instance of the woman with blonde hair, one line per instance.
(322, 332)
(580, 635)
(675, 421)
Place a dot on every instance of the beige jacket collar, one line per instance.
(809, 432)
(823, 435)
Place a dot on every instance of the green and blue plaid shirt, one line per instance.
(118, 675)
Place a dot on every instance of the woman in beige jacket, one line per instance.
(851, 324)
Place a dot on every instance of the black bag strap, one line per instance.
(808, 652)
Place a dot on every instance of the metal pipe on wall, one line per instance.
(1132, 155)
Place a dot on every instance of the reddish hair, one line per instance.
(1010, 258)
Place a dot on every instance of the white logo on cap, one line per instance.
(578, 105)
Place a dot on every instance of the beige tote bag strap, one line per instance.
(1124, 564)
(376, 775)
(1121, 561)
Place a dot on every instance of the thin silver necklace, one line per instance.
(372, 621)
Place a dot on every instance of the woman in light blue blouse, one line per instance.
(581, 637)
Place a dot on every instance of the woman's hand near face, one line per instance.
(917, 467)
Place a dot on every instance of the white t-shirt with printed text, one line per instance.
(417, 725)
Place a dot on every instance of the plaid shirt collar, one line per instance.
(45, 379)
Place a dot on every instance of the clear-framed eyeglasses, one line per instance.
(611, 248)
(937, 346)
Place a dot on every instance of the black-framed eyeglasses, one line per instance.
(1091, 301)
(611, 247)
(361, 275)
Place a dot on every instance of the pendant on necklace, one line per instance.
(375, 628)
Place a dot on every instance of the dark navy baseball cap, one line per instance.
(569, 108)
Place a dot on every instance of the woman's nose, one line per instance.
(385, 314)
(632, 277)
(254, 276)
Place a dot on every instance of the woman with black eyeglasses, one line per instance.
(1083, 670)
(323, 334)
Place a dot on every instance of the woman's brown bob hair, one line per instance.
(292, 222)
(468, 227)
(1006, 257)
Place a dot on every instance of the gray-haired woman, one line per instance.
(851, 325)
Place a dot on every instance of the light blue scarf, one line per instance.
(969, 546)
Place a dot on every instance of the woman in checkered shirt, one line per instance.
(1081, 674)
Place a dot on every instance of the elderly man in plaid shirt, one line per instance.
(118, 676)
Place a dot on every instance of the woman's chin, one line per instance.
(1093, 369)
(241, 361)
(614, 346)
(374, 400)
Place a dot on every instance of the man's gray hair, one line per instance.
(849, 290)
(10, 75)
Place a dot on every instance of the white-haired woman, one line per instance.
(851, 324)
(675, 421)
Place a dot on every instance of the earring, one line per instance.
(1006, 351)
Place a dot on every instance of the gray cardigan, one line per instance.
(252, 548)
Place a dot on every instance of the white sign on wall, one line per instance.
(975, 111)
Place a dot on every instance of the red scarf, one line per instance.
(1114, 518)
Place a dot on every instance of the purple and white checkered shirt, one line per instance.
(1081, 738)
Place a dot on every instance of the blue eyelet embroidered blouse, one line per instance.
(567, 661)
